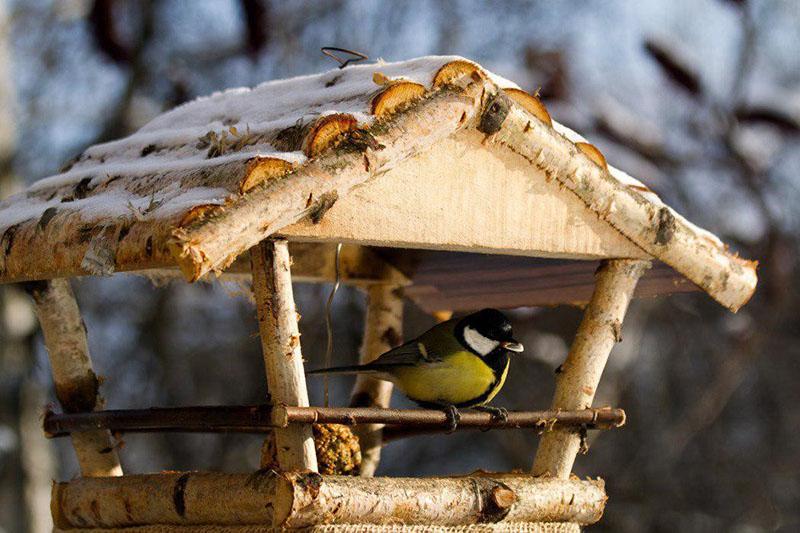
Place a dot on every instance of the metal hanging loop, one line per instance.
(329, 323)
(343, 62)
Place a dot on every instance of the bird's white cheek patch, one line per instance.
(479, 343)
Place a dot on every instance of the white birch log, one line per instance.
(651, 225)
(187, 499)
(197, 499)
(577, 380)
(77, 386)
(383, 331)
(280, 340)
(306, 499)
(214, 242)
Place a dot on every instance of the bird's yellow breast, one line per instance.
(459, 379)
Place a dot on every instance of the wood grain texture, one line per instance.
(460, 196)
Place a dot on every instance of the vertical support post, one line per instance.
(383, 331)
(579, 376)
(77, 386)
(280, 341)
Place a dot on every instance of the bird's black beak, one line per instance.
(512, 346)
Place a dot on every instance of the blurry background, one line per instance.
(698, 98)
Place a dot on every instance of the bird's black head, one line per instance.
(485, 331)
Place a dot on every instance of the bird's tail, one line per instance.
(354, 369)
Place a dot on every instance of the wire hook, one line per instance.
(357, 56)
(329, 322)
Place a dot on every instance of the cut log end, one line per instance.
(263, 169)
(530, 103)
(456, 70)
(395, 96)
(592, 152)
(326, 132)
(197, 213)
(749, 274)
(189, 260)
(379, 78)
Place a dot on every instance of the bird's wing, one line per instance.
(410, 353)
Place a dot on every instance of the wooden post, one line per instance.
(383, 331)
(579, 376)
(76, 383)
(280, 340)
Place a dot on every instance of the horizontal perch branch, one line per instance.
(431, 418)
(264, 418)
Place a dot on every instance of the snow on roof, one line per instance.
(169, 143)
(200, 154)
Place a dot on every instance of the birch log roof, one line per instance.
(431, 153)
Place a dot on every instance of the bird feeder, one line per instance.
(447, 185)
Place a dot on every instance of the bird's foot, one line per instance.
(499, 414)
(453, 417)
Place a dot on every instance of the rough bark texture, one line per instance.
(190, 498)
(280, 339)
(75, 381)
(305, 499)
(57, 243)
(654, 227)
(309, 499)
(433, 418)
(213, 243)
(383, 331)
(576, 383)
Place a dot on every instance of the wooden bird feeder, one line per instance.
(446, 184)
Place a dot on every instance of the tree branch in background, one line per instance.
(104, 31)
(674, 67)
(550, 68)
(257, 22)
(117, 124)
(763, 114)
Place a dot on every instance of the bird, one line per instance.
(460, 363)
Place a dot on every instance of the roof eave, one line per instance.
(652, 226)
(213, 242)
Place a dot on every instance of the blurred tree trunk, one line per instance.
(34, 462)
(36, 457)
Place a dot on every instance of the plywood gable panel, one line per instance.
(461, 195)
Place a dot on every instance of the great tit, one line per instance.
(459, 363)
